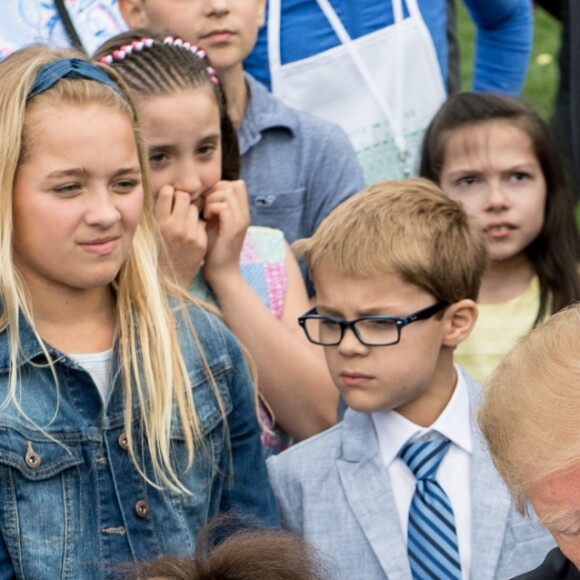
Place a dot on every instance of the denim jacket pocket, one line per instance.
(40, 487)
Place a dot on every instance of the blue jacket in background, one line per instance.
(72, 503)
(503, 39)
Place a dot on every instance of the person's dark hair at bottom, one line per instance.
(232, 548)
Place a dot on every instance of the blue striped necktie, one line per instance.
(431, 537)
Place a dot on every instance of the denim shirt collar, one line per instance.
(263, 112)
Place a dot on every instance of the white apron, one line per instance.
(398, 67)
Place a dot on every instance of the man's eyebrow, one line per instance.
(559, 516)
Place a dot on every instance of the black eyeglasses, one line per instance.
(370, 330)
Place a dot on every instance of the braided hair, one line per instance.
(156, 65)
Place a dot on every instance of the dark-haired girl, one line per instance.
(494, 155)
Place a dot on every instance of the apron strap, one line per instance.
(394, 118)
(274, 10)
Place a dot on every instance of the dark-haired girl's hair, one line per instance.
(555, 253)
(160, 68)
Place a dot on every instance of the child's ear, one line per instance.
(459, 319)
(134, 13)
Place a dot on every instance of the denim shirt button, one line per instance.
(142, 508)
(32, 458)
(123, 441)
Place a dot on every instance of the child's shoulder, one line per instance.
(320, 453)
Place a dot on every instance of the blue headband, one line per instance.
(70, 68)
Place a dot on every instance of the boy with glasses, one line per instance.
(403, 487)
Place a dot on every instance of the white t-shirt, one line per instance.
(98, 365)
(24, 22)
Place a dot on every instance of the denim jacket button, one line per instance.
(123, 441)
(32, 458)
(142, 508)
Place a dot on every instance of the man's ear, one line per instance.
(459, 318)
(134, 13)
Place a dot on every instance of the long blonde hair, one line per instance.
(158, 378)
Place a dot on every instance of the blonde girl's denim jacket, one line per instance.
(72, 504)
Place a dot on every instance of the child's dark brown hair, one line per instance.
(234, 548)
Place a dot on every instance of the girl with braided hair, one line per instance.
(202, 211)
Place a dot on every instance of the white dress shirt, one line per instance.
(454, 473)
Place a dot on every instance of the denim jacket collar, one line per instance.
(30, 348)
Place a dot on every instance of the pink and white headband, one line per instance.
(139, 45)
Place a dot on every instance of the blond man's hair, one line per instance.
(530, 410)
(409, 228)
(152, 364)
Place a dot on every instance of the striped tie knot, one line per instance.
(424, 457)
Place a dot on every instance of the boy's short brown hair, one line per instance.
(408, 227)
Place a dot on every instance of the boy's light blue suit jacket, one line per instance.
(334, 490)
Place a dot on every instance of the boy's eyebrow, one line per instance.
(373, 311)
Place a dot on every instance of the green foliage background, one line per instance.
(542, 79)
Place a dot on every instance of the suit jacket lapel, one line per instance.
(368, 491)
(490, 500)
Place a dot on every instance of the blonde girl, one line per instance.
(126, 420)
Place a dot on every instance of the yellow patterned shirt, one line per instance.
(497, 329)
